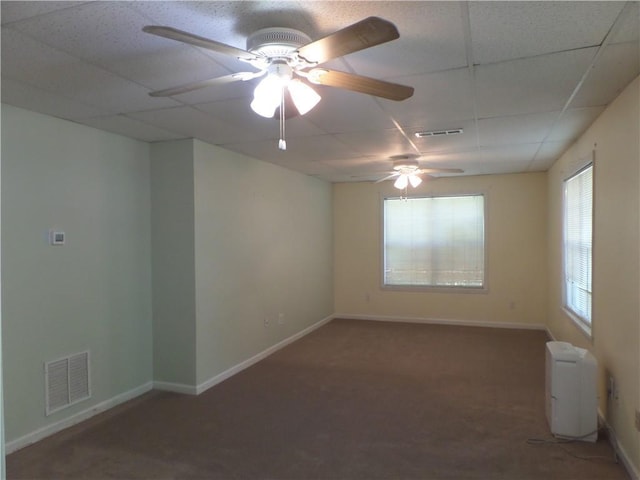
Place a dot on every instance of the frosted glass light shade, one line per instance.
(267, 96)
(414, 180)
(304, 97)
(401, 182)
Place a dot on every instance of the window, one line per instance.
(434, 241)
(577, 242)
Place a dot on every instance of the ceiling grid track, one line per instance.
(468, 48)
(605, 43)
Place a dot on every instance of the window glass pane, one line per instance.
(578, 234)
(434, 241)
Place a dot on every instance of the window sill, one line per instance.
(586, 330)
(434, 289)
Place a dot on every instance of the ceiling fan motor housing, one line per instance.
(405, 165)
(276, 42)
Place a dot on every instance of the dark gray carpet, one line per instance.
(352, 400)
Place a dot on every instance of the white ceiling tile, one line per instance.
(54, 71)
(547, 155)
(87, 31)
(16, 11)
(343, 111)
(369, 164)
(573, 122)
(189, 122)
(515, 129)
(133, 128)
(25, 96)
(430, 40)
(439, 99)
(98, 87)
(511, 30)
(509, 158)
(26, 59)
(381, 143)
(167, 67)
(616, 67)
(309, 149)
(532, 85)
(628, 29)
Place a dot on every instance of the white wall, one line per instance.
(2, 441)
(516, 258)
(263, 237)
(92, 293)
(173, 247)
(616, 259)
(235, 240)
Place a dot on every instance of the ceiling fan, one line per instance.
(407, 171)
(289, 60)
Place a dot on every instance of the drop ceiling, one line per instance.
(522, 79)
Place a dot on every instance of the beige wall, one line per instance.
(516, 263)
(616, 274)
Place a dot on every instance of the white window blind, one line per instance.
(434, 241)
(578, 235)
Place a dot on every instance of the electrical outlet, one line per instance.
(267, 321)
(638, 420)
(280, 318)
(611, 389)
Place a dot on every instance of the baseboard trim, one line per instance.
(633, 472)
(49, 430)
(442, 321)
(175, 387)
(260, 356)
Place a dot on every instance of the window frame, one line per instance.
(584, 325)
(437, 288)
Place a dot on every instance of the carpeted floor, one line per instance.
(352, 400)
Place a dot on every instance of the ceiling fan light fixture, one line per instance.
(401, 182)
(268, 94)
(414, 180)
(304, 97)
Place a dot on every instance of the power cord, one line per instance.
(561, 441)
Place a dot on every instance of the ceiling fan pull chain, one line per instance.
(282, 144)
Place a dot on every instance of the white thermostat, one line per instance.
(56, 237)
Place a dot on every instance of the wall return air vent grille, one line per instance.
(67, 381)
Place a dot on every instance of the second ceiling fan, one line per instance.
(289, 61)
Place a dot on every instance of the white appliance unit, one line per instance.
(570, 390)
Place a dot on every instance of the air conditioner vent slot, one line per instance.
(439, 133)
(67, 381)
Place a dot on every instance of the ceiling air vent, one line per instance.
(439, 133)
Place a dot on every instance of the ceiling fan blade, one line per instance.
(366, 33)
(441, 170)
(186, 37)
(394, 174)
(358, 83)
(189, 87)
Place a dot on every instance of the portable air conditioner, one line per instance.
(571, 396)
